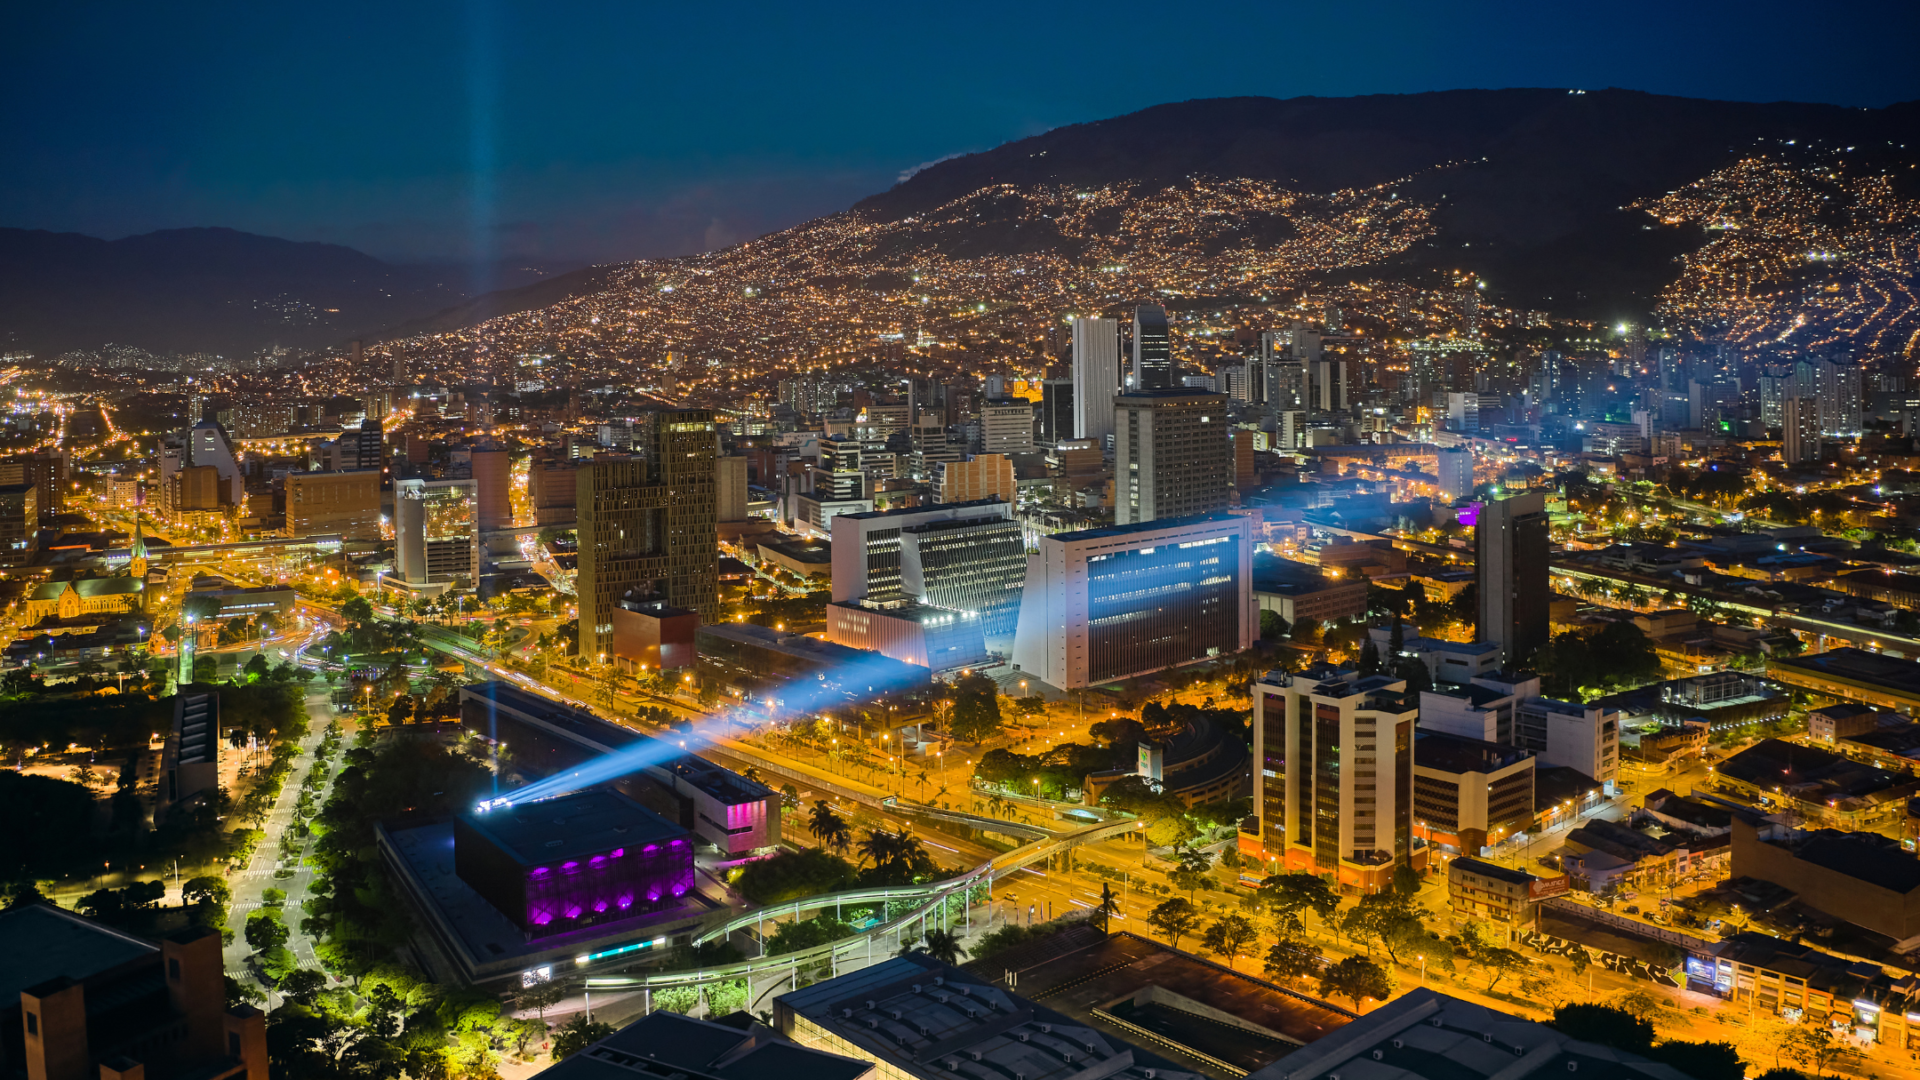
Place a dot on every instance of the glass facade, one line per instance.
(975, 564)
(1158, 607)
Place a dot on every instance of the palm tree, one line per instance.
(829, 828)
(944, 946)
(922, 777)
(1109, 904)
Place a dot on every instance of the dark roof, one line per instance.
(42, 942)
(664, 1045)
(1560, 783)
(1774, 763)
(1868, 857)
(903, 511)
(1459, 754)
(584, 823)
(1142, 526)
(1903, 740)
(1492, 870)
(1858, 665)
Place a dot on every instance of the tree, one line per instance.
(944, 946)
(829, 828)
(578, 1034)
(1306, 630)
(1701, 1060)
(206, 890)
(303, 985)
(1812, 1046)
(1369, 657)
(1272, 626)
(1109, 903)
(1291, 958)
(1389, 918)
(1228, 936)
(1174, 918)
(1501, 962)
(1605, 1025)
(976, 708)
(357, 611)
(265, 931)
(1356, 977)
(540, 997)
(1288, 895)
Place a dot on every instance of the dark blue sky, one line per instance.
(595, 131)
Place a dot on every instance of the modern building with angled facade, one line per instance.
(967, 557)
(1102, 605)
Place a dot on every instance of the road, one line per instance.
(249, 883)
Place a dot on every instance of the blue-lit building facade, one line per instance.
(1109, 604)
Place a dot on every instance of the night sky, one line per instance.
(562, 133)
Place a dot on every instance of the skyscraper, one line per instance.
(1454, 469)
(1172, 455)
(647, 524)
(1333, 781)
(1096, 377)
(436, 530)
(493, 480)
(1800, 431)
(1006, 426)
(1152, 348)
(1112, 603)
(1510, 544)
(1056, 411)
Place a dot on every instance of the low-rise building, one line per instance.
(1842, 721)
(1296, 591)
(347, 503)
(1469, 793)
(1852, 674)
(1494, 893)
(652, 635)
(938, 638)
(780, 674)
(668, 1046)
(1201, 763)
(1822, 786)
(1426, 1035)
(1864, 878)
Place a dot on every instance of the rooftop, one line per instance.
(917, 1016)
(43, 942)
(1858, 665)
(908, 511)
(666, 1045)
(572, 826)
(1157, 525)
(1491, 870)
(1427, 1034)
(1459, 754)
(1869, 857)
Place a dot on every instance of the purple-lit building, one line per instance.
(558, 865)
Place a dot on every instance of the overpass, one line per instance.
(934, 904)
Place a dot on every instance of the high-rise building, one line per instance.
(1231, 380)
(840, 476)
(1006, 426)
(47, 473)
(1171, 456)
(1510, 544)
(19, 523)
(1333, 783)
(493, 487)
(1056, 410)
(356, 450)
(1096, 377)
(207, 445)
(436, 530)
(647, 525)
(347, 503)
(1152, 348)
(985, 476)
(1837, 383)
(1327, 386)
(1800, 430)
(730, 494)
(1454, 468)
(1108, 604)
(964, 557)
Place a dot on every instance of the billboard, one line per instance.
(1541, 888)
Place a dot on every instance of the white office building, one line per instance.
(1107, 604)
(436, 530)
(1096, 377)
